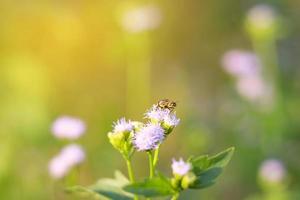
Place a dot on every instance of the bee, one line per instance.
(166, 104)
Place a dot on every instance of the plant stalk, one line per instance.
(151, 167)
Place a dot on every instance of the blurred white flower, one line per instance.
(67, 127)
(261, 17)
(73, 154)
(62, 163)
(240, 63)
(123, 126)
(253, 88)
(272, 171)
(141, 19)
(57, 167)
(180, 167)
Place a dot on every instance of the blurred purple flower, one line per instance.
(123, 126)
(241, 63)
(149, 137)
(67, 127)
(62, 163)
(180, 167)
(261, 16)
(272, 171)
(141, 19)
(253, 88)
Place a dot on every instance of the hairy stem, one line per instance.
(155, 159)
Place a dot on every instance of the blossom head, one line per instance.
(180, 168)
(240, 63)
(68, 128)
(149, 137)
(272, 171)
(123, 126)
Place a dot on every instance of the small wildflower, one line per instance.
(157, 114)
(272, 171)
(171, 120)
(149, 137)
(123, 126)
(68, 128)
(142, 19)
(180, 167)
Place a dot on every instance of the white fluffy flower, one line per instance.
(272, 171)
(157, 114)
(261, 16)
(171, 120)
(149, 137)
(180, 167)
(67, 127)
(123, 126)
(57, 167)
(141, 19)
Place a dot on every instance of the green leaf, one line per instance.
(199, 163)
(221, 159)
(82, 191)
(155, 187)
(112, 188)
(206, 178)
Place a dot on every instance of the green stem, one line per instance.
(130, 171)
(151, 167)
(155, 159)
(175, 196)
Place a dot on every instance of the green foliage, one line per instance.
(106, 188)
(157, 186)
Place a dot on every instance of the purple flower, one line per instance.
(123, 126)
(149, 137)
(272, 171)
(157, 114)
(67, 127)
(180, 167)
(62, 163)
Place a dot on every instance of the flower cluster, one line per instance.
(143, 136)
(71, 128)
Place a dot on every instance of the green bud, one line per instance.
(188, 180)
(175, 182)
(117, 140)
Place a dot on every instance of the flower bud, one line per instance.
(117, 140)
(188, 180)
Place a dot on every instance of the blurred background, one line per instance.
(232, 66)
